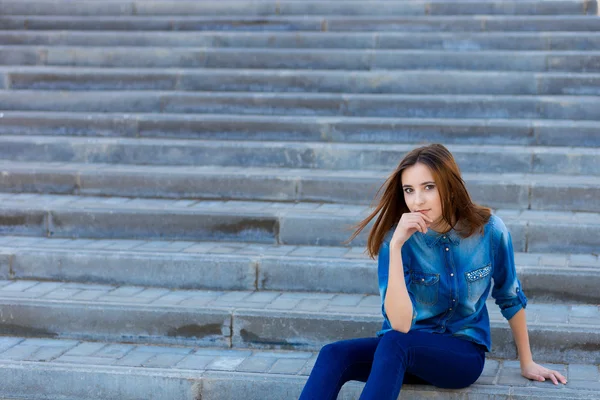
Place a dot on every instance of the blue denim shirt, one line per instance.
(449, 278)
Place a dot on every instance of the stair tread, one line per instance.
(201, 364)
(69, 202)
(218, 144)
(539, 179)
(352, 255)
(66, 34)
(352, 307)
(233, 117)
(292, 51)
(82, 95)
(292, 7)
(165, 71)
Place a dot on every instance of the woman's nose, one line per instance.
(419, 199)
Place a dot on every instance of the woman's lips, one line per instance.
(423, 211)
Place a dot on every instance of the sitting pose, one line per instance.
(439, 254)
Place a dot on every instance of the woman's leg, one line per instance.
(442, 360)
(338, 363)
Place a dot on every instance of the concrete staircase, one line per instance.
(178, 178)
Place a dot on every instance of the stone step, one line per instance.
(258, 320)
(455, 41)
(304, 128)
(52, 368)
(254, 80)
(276, 154)
(91, 217)
(261, 8)
(414, 23)
(309, 104)
(548, 277)
(496, 190)
(349, 59)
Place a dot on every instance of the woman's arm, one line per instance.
(529, 369)
(398, 305)
(518, 325)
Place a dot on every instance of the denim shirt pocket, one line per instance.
(477, 281)
(425, 287)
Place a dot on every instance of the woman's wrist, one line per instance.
(525, 361)
(396, 244)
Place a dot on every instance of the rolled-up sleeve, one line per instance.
(507, 289)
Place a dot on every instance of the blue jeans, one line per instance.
(385, 362)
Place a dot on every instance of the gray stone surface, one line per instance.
(321, 104)
(286, 128)
(145, 8)
(420, 40)
(459, 23)
(227, 318)
(261, 160)
(260, 222)
(114, 322)
(547, 277)
(272, 372)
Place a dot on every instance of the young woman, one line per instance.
(439, 254)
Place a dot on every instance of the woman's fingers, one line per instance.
(419, 219)
(556, 377)
(417, 226)
(537, 377)
(422, 225)
(416, 221)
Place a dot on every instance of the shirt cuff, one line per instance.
(510, 312)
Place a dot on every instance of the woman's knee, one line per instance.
(394, 344)
(345, 353)
(395, 339)
(335, 351)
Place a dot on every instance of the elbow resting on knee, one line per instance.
(404, 328)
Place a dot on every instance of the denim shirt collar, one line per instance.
(433, 238)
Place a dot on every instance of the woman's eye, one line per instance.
(407, 190)
(429, 187)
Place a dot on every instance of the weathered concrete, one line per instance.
(218, 374)
(265, 222)
(484, 23)
(260, 8)
(224, 266)
(327, 59)
(307, 155)
(303, 128)
(262, 320)
(469, 41)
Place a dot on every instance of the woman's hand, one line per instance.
(538, 373)
(410, 223)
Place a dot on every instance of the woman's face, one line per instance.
(421, 193)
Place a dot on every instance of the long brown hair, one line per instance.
(456, 202)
